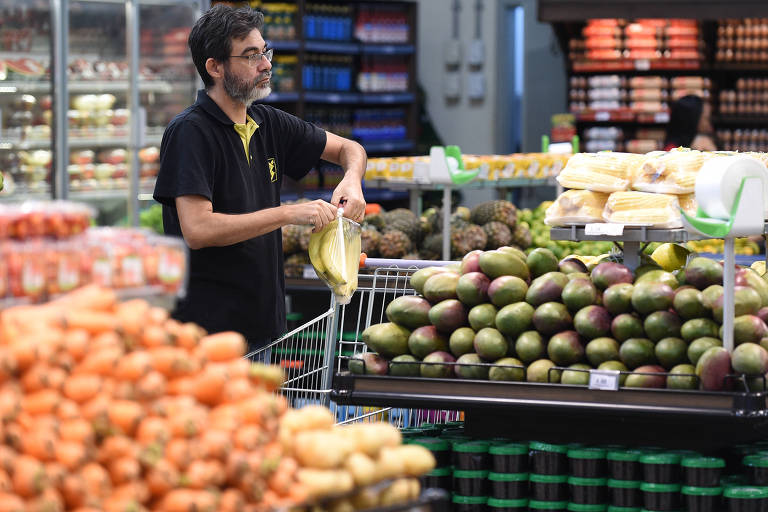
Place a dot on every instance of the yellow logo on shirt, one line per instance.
(272, 168)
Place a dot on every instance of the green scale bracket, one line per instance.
(746, 218)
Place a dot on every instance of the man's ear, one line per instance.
(214, 68)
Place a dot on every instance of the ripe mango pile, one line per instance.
(506, 316)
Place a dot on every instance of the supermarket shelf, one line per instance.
(494, 184)
(634, 65)
(354, 97)
(579, 10)
(758, 67)
(622, 116)
(387, 98)
(631, 234)
(387, 49)
(340, 47)
(281, 97)
(539, 410)
(13, 87)
(325, 194)
(331, 97)
(388, 146)
(756, 121)
(76, 142)
(288, 45)
(352, 48)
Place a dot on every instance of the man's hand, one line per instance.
(317, 213)
(349, 195)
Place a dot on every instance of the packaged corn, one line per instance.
(643, 209)
(672, 172)
(576, 207)
(599, 172)
(688, 203)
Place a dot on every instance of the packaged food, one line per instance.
(643, 209)
(672, 172)
(599, 172)
(576, 207)
(688, 203)
(335, 256)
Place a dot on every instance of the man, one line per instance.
(222, 162)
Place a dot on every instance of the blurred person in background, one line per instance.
(690, 125)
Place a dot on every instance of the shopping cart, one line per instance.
(312, 352)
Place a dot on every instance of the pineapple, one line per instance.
(376, 220)
(304, 235)
(394, 244)
(502, 211)
(294, 264)
(432, 249)
(291, 239)
(467, 239)
(522, 236)
(369, 239)
(498, 234)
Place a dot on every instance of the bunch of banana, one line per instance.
(335, 255)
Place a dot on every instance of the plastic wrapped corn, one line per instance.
(599, 172)
(643, 209)
(576, 207)
(688, 203)
(672, 172)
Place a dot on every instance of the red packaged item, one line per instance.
(170, 258)
(28, 221)
(63, 266)
(27, 270)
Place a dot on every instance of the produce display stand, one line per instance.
(633, 239)
(546, 411)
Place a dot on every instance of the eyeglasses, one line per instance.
(255, 58)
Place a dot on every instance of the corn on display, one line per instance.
(576, 207)
(490, 167)
(599, 172)
(643, 209)
(688, 203)
(672, 172)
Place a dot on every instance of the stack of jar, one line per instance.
(750, 98)
(743, 139)
(515, 476)
(742, 40)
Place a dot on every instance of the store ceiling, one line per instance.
(579, 10)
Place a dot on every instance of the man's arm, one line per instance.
(202, 227)
(352, 158)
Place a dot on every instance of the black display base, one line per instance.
(553, 412)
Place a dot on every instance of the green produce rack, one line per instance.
(547, 411)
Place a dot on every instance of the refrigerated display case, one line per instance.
(128, 72)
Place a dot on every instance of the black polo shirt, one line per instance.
(240, 287)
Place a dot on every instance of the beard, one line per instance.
(244, 91)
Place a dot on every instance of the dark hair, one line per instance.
(684, 116)
(211, 36)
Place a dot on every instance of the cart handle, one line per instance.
(366, 262)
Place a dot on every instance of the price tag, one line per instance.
(309, 272)
(642, 64)
(602, 116)
(661, 117)
(604, 229)
(606, 380)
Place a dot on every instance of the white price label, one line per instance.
(642, 64)
(309, 272)
(606, 380)
(661, 117)
(604, 229)
(602, 116)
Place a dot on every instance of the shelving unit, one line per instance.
(347, 101)
(539, 411)
(569, 16)
(134, 55)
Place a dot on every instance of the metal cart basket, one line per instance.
(310, 353)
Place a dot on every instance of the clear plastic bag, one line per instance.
(643, 209)
(598, 172)
(672, 172)
(335, 256)
(576, 207)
